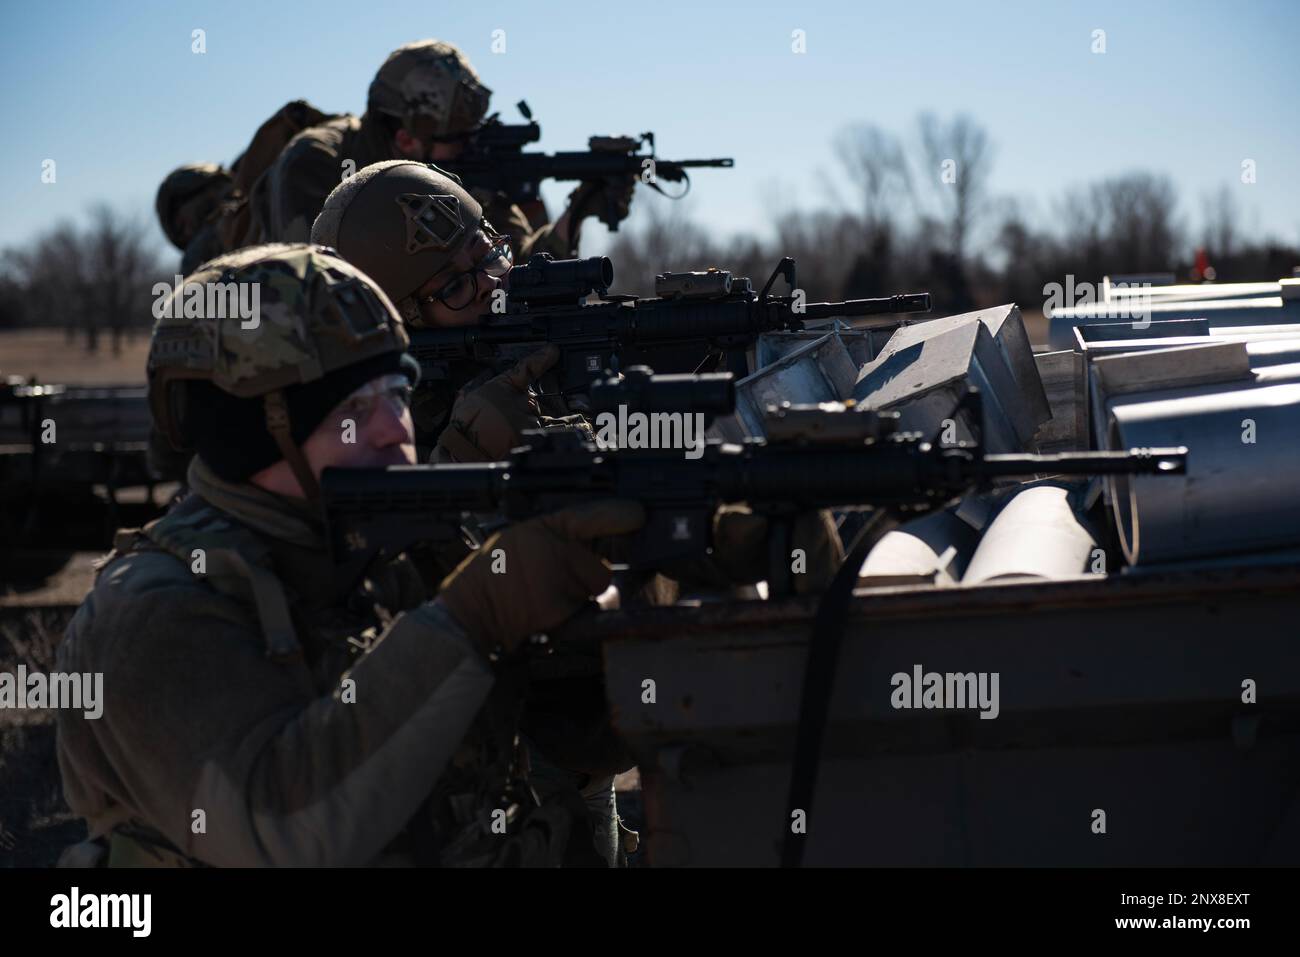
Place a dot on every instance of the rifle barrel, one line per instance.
(724, 163)
(1163, 461)
(909, 302)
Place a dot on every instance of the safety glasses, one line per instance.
(462, 289)
(394, 388)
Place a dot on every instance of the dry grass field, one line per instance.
(50, 357)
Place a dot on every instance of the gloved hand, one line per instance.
(740, 551)
(600, 197)
(489, 421)
(569, 423)
(534, 575)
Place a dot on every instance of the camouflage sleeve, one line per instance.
(196, 718)
(299, 182)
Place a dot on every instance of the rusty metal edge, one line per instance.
(670, 622)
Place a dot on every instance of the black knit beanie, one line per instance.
(230, 433)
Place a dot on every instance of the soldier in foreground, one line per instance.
(424, 104)
(255, 712)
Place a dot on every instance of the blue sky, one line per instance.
(113, 92)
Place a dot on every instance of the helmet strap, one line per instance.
(277, 423)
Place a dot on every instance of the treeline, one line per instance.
(94, 276)
(919, 215)
(909, 213)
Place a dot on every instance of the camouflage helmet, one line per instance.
(276, 322)
(431, 89)
(400, 221)
(185, 184)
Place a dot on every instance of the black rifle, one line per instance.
(495, 160)
(813, 458)
(696, 322)
(638, 389)
(494, 136)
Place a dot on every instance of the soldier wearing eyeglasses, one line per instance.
(427, 242)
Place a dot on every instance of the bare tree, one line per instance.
(659, 240)
(957, 160)
(875, 164)
(1221, 222)
(873, 160)
(122, 266)
(1020, 254)
(49, 272)
(1125, 223)
(96, 277)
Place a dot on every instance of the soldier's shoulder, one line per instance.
(143, 575)
(168, 560)
(328, 138)
(131, 591)
(157, 584)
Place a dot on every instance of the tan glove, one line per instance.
(569, 423)
(489, 421)
(740, 551)
(537, 574)
(595, 198)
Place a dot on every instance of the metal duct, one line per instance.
(1239, 493)
(934, 549)
(1039, 534)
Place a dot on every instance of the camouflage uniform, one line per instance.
(426, 87)
(224, 642)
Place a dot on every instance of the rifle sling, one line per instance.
(818, 684)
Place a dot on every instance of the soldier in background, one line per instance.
(189, 205)
(425, 241)
(257, 711)
(207, 210)
(428, 244)
(424, 104)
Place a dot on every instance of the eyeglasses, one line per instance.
(394, 388)
(462, 289)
